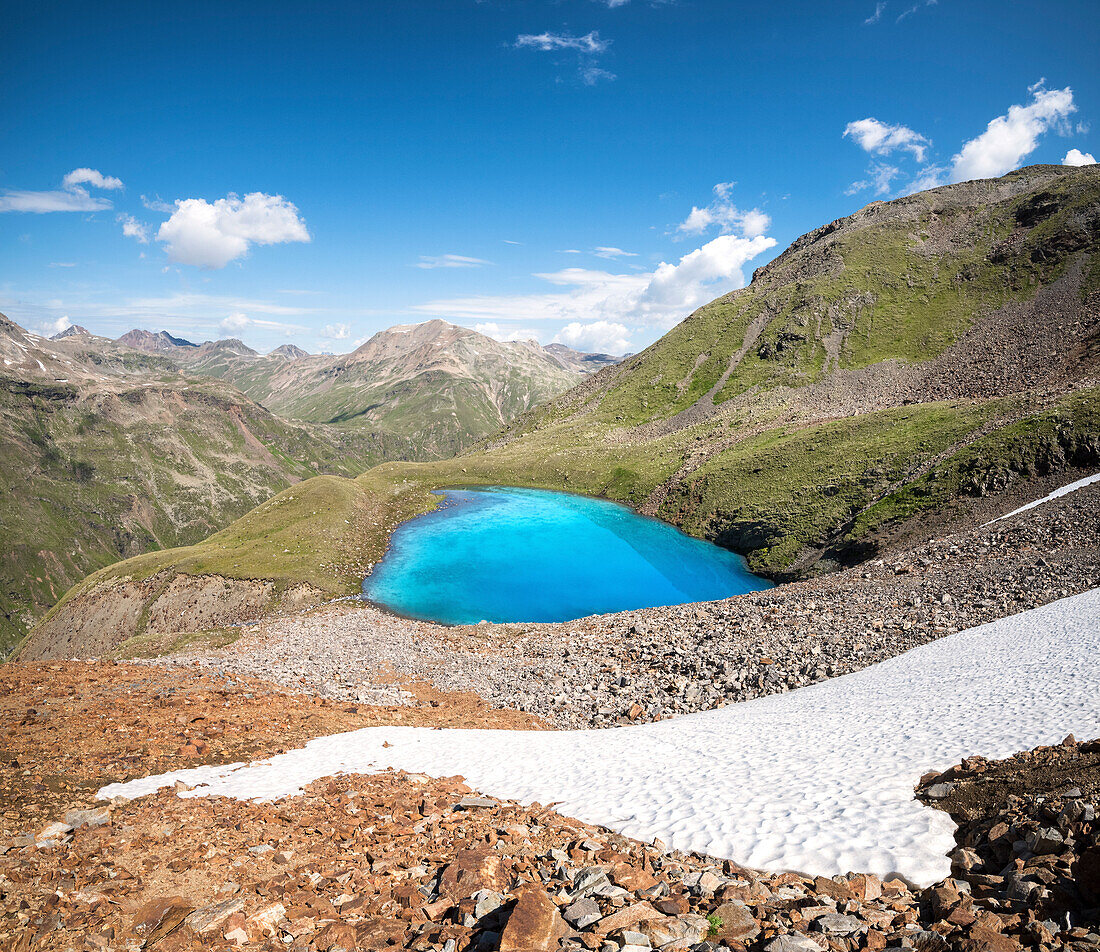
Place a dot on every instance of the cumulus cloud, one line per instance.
(55, 327)
(132, 228)
(450, 261)
(1010, 138)
(720, 260)
(1076, 157)
(92, 177)
(210, 235)
(239, 321)
(881, 138)
(336, 331)
(589, 43)
(597, 336)
(71, 197)
(1004, 145)
(727, 216)
(659, 299)
(505, 333)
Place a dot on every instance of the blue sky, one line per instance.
(584, 170)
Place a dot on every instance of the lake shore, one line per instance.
(655, 663)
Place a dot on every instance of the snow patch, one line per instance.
(819, 780)
(1058, 493)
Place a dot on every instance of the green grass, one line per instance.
(1038, 444)
(885, 290)
(103, 478)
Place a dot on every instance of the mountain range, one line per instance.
(913, 368)
(151, 441)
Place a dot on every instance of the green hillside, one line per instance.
(95, 473)
(807, 421)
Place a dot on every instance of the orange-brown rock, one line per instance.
(534, 924)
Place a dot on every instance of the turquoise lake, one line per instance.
(505, 554)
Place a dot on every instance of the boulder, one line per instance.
(534, 923)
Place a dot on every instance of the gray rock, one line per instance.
(97, 816)
(836, 923)
(792, 943)
(582, 913)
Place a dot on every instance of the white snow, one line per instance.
(819, 780)
(1063, 491)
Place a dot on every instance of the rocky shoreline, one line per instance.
(655, 663)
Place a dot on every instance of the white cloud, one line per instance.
(881, 138)
(877, 15)
(1010, 138)
(202, 305)
(76, 200)
(1004, 145)
(598, 336)
(881, 176)
(497, 332)
(605, 252)
(70, 198)
(727, 216)
(590, 75)
(1076, 157)
(55, 327)
(132, 228)
(157, 205)
(687, 284)
(589, 43)
(211, 235)
(661, 298)
(336, 332)
(239, 321)
(450, 261)
(915, 7)
(587, 48)
(92, 177)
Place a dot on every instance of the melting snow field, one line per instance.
(819, 780)
(1057, 494)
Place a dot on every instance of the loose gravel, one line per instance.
(655, 663)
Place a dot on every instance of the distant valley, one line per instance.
(151, 441)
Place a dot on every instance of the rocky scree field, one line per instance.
(404, 860)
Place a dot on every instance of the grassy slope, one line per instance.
(885, 289)
(772, 491)
(328, 530)
(107, 474)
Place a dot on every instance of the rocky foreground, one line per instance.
(406, 861)
(657, 663)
